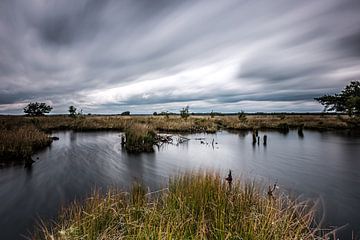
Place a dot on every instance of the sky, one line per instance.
(110, 56)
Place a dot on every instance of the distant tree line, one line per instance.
(347, 101)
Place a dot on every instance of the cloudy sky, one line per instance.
(108, 56)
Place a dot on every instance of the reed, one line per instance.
(194, 206)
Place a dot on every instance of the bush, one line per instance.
(184, 113)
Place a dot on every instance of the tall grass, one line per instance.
(194, 206)
(21, 143)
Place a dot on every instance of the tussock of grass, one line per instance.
(21, 143)
(194, 206)
(140, 138)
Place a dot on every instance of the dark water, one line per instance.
(324, 165)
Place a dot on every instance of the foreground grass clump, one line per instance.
(19, 144)
(194, 206)
(140, 138)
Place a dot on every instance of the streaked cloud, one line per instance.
(110, 56)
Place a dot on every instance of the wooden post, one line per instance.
(122, 141)
(300, 131)
(229, 179)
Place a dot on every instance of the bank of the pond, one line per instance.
(19, 144)
(191, 124)
(21, 136)
(194, 206)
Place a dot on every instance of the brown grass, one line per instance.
(178, 124)
(19, 144)
(194, 206)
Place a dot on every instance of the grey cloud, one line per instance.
(287, 50)
(350, 44)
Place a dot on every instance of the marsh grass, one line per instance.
(177, 124)
(140, 138)
(19, 144)
(194, 206)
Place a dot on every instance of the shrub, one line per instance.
(184, 113)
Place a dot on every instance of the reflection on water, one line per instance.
(317, 164)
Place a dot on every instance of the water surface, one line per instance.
(324, 165)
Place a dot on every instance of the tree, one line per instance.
(184, 113)
(37, 109)
(348, 100)
(72, 111)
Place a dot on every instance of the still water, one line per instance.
(320, 165)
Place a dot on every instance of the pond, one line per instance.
(320, 165)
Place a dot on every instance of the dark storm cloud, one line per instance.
(351, 44)
(110, 55)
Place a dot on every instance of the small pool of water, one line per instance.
(324, 165)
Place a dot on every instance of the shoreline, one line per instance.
(22, 136)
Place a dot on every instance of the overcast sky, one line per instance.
(109, 56)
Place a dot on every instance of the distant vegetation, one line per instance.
(242, 116)
(348, 101)
(37, 109)
(184, 113)
(72, 111)
(126, 113)
(193, 206)
(26, 141)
